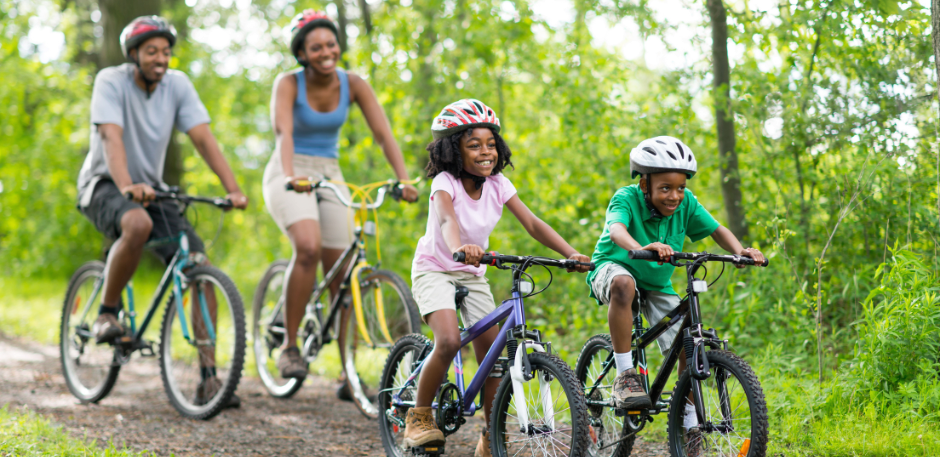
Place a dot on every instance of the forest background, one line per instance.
(814, 124)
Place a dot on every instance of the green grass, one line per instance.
(25, 433)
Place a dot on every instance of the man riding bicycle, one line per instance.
(134, 108)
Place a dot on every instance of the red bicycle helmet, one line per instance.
(143, 29)
(304, 23)
(462, 115)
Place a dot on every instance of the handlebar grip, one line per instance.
(290, 185)
(396, 191)
(643, 255)
(460, 256)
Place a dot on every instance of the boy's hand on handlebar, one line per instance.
(753, 253)
(580, 258)
(409, 193)
(473, 252)
(238, 199)
(141, 193)
(664, 250)
(300, 184)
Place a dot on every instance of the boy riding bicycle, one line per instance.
(655, 215)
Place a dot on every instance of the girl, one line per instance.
(467, 198)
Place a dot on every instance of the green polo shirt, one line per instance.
(627, 207)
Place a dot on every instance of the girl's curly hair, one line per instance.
(445, 155)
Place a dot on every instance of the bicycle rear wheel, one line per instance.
(89, 368)
(735, 412)
(606, 430)
(267, 330)
(405, 356)
(364, 344)
(200, 374)
(557, 414)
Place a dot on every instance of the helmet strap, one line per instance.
(648, 200)
(477, 180)
(147, 82)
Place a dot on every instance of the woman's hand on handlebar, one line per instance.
(409, 193)
(300, 184)
(238, 199)
(753, 253)
(580, 258)
(141, 193)
(473, 252)
(664, 250)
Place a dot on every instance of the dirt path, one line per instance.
(138, 415)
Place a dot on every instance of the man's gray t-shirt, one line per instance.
(147, 122)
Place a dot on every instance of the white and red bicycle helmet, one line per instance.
(304, 22)
(662, 154)
(462, 115)
(144, 28)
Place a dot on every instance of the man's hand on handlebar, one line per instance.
(141, 193)
(474, 254)
(409, 193)
(753, 253)
(664, 250)
(583, 259)
(238, 199)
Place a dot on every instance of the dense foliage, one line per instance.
(835, 113)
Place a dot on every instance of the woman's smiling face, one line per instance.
(667, 190)
(478, 150)
(320, 50)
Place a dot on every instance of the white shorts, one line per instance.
(435, 290)
(657, 304)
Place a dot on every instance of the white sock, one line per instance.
(624, 361)
(690, 420)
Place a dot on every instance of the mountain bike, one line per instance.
(539, 408)
(727, 396)
(209, 342)
(374, 307)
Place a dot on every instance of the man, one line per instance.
(134, 108)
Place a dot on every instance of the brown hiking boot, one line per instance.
(107, 327)
(483, 446)
(291, 364)
(628, 391)
(208, 388)
(420, 428)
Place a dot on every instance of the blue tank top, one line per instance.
(316, 133)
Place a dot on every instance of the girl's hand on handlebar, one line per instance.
(753, 253)
(141, 193)
(238, 199)
(473, 252)
(664, 250)
(409, 193)
(300, 184)
(580, 258)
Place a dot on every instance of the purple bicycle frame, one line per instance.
(514, 313)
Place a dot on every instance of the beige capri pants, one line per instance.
(288, 207)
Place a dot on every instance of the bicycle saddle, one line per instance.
(462, 293)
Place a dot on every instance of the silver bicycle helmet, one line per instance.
(660, 155)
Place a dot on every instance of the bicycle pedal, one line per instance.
(146, 350)
(620, 412)
(427, 450)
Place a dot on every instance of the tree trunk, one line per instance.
(115, 14)
(935, 34)
(341, 25)
(724, 120)
(366, 16)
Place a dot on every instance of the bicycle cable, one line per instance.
(551, 277)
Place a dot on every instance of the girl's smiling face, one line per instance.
(667, 190)
(478, 150)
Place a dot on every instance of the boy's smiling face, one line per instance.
(478, 151)
(666, 191)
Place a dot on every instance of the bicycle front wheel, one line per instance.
(555, 419)
(606, 429)
(735, 412)
(388, 313)
(202, 351)
(89, 368)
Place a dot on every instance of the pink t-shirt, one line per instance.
(476, 219)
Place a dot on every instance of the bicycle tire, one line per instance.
(355, 355)
(93, 270)
(504, 435)
(722, 364)
(265, 346)
(607, 427)
(394, 374)
(179, 377)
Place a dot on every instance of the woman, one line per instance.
(308, 107)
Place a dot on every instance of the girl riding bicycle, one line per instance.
(468, 193)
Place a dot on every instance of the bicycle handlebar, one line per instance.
(395, 193)
(492, 258)
(187, 199)
(735, 259)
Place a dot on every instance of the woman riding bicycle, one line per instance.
(309, 106)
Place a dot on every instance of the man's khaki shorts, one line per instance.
(288, 207)
(435, 290)
(657, 304)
